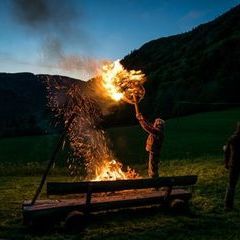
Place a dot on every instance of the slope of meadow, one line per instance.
(197, 136)
(193, 146)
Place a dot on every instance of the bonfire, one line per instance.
(88, 143)
(120, 85)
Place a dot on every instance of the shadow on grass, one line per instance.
(172, 226)
(102, 222)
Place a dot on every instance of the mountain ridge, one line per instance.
(205, 61)
(187, 73)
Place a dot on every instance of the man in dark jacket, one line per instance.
(232, 163)
(154, 142)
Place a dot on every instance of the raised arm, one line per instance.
(148, 127)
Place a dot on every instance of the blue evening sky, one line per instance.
(108, 29)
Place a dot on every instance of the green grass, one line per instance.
(197, 136)
(28, 155)
(193, 145)
(207, 221)
(22, 150)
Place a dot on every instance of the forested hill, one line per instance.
(23, 103)
(200, 66)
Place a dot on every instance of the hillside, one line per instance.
(23, 103)
(190, 72)
(199, 136)
(201, 66)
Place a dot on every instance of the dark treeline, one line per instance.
(201, 66)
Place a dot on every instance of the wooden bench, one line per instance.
(96, 196)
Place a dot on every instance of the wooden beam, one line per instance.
(62, 188)
(51, 161)
(58, 210)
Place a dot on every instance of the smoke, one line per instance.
(59, 26)
(83, 63)
(53, 53)
(44, 15)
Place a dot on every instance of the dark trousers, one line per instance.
(153, 161)
(230, 192)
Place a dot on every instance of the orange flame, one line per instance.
(116, 80)
(118, 84)
(113, 171)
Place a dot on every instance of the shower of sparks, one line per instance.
(89, 144)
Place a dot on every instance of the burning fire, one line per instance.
(113, 171)
(89, 144)
(121, 84)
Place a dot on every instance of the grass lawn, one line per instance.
(193, 145)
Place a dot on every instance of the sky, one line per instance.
(72, 37)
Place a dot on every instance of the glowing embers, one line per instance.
(89, 154)
(112, 170)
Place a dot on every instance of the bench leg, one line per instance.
(88, 202)
(167, 193)
(75, 222)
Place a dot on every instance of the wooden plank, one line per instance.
(61, 188)
(59, 209)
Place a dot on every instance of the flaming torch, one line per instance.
(121, 84)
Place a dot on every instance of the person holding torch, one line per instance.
(127, 85)
(154, 141)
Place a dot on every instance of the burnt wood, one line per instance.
(64, 188)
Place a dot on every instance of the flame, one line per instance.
(112, 170)
(117, 81)
(119, 84)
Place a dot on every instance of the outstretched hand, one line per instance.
(139, 116)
